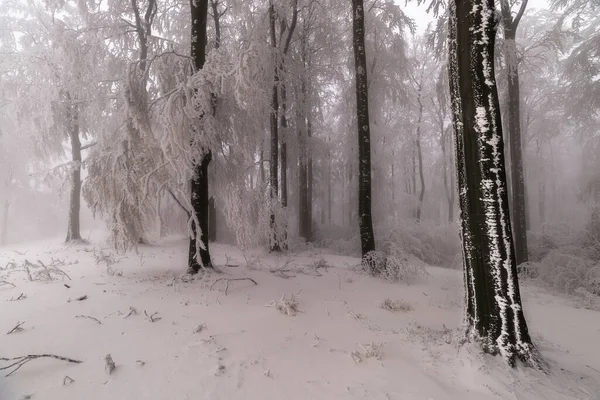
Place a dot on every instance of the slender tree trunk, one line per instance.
(198, 249)
(367, 238)
(329, 184)
(261, 166)
(413, 188)
(73, 230)
(216, 14)
(302, 170)
(519, 205)
(494, 313)
(284, 127)
(309, 176)
(542, 202)
(420, 158)
(273, 170)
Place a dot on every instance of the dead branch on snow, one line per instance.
(18, 362)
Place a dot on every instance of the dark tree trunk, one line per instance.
(199, 184)
(273, 170)
(309, 176)
(448, 179)
(283, 113)
(302, 166)
(367, 238)
(542, 202)
(494, 314)
(73, 229)
(261, 167)
(420, 158)
(519, 205)
(216, 14)
(212, 220)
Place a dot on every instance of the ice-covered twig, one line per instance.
(152, 317)
(22, 296)
(18, 362)
(17, 328)
(88, 317)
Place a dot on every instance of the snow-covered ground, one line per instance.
(248, 349)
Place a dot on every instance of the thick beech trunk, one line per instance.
(494, 314)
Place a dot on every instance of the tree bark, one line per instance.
(367, 238)
(212, 220)
(198, 249)
(73, 229)
(519, 206)
(494, 313)
(420, 158)
(273, 170)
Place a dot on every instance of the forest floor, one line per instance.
(176, 338)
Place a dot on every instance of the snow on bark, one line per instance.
(494, 315)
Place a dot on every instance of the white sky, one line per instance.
(421, 17)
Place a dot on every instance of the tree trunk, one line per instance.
(73, 229)
(302, 172)
(519, 206)
(309, 175)
(199, 185)
(542, 202)
(329, 184)
(212, 220)
(494, 314)
(273, 170)
(367, 238)
(420, 158)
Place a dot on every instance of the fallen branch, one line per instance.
(17, 328)
(6, 283)
(20, 361)
(227, 280)
(88, 317)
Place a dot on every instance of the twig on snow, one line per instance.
(17, 328)
(227, 280)
(22, 296)
(68, 380)
(18, 362)
(80, 298)
(6, 283)
(88, 317)
(151, 317)
(132, 311)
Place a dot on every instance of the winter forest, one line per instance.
(300, 199)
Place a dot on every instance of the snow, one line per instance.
(249, 350)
